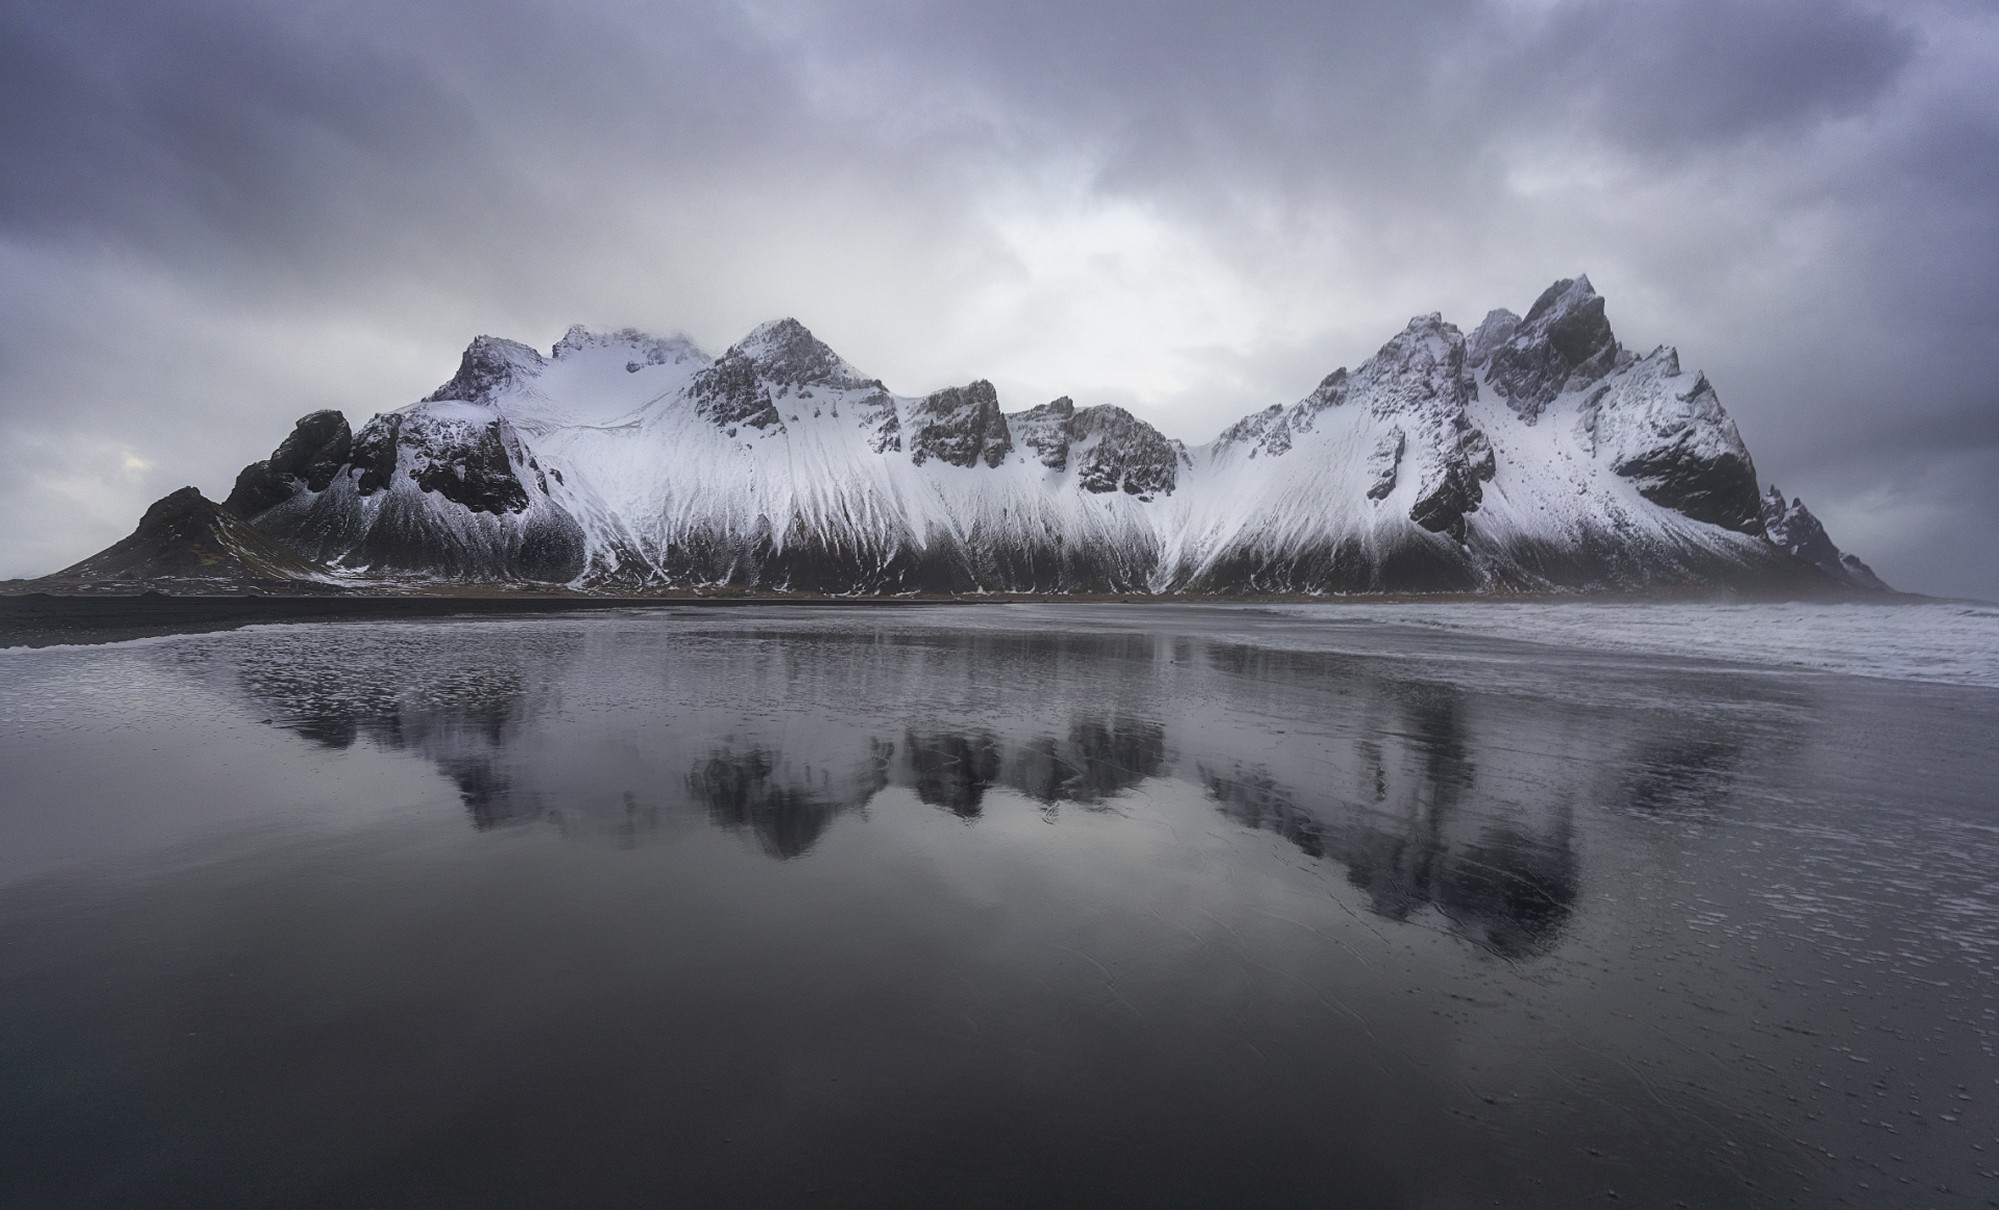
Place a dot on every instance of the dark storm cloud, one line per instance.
(1662, 78)
(220, 137)
(215, 215)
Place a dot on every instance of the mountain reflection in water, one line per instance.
(1011, 905)
(1430, 799)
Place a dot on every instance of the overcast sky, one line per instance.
(215, 217)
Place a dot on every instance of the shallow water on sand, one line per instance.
(999, 906)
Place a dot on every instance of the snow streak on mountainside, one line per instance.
(1537, 454)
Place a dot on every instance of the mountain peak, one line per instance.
(648, 348)
(1567, 293)
(489, 365)
(185, 536)
(1793, 528)
(785, 351)
(1564, 343)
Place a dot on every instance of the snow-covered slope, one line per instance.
(1538, 453)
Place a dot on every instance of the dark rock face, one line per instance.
(1045, 431)
(1453, 487)
(1686, 471)
(173, 513)
(1455, 490)
(375, 453)
(186, 537)
(878, 411)
(730, 393)
(960, 425)
(445, 489)
(1383, 462)
(1792, 527)
(1707, 490)
(308, 458)
(1421, 378)
(1564, 343)
(1116, 451)
(489, 365)
(465, 463)
(786, 354)
(478, 476)
(1110, 449)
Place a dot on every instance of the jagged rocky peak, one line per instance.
(490, 365)
(1421, 380)
(520, 468)
(781, 356)
(1115, 451)
(1272, 430)
(1672, 439)
(786, 353)
(1494, 330)
(645, 348)
(1265, 432)
(1793, 527)
(1421, 369)
(1331, 391)
(960, 425)
(1109, 448)
(1564, 344)
(307, 459)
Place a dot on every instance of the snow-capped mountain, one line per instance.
(1536, 454)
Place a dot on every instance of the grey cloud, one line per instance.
(1662, 77)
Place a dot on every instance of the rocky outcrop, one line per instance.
(488, 367)
(1109, 449)
(1383, 462)
(188, 540)
(959, 425)
(316, 449)
(1793, 528)
(786, 354)
(1666, 432)
(731, 393)
(1563, 345)
(446, 487)
(1663, 431)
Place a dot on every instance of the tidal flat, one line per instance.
(1427, 906)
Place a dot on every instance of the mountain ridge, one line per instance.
(1536, 454)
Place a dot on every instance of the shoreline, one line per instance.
(42, 619)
